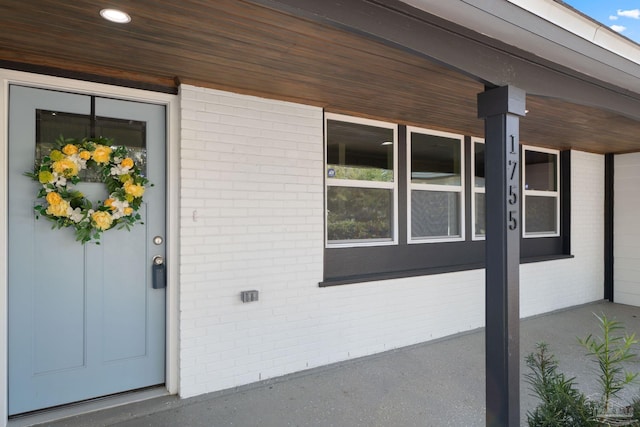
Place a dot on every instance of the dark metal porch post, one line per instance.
(500, 108)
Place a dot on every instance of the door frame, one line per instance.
(171, 102)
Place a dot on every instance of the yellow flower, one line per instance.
(101, 154)
(109, 203)
(124, 178)
(102, 220)
(45, 177)
(54, 198)
(127, 162)
(134, 189)
(65, 167)
(128, 210)
(56, 155)
(85, 155)
(58, 209)
(70, 149)
(128, 198)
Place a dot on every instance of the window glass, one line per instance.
(435, 160)
(480, 214)
(359, 213)
(541, 214)
(435, 214)
(361, 185)
(478, 156)
(478, 189)
(359, 152)
(541, 195)
(541, 171)
(51, 124)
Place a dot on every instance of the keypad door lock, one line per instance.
(158, 273)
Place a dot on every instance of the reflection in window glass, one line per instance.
(435, 159)
(359, 152)
(359, 213)
(435, 214)
(480, 215)
(541, 214)
(541, 171)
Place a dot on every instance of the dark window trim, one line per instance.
(426, 271)
(609, 167)
(348, 265)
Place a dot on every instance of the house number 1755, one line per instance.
(512, 182)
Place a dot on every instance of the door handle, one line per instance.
(158, 273)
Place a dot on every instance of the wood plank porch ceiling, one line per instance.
(238, 46)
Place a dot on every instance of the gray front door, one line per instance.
(84, 320)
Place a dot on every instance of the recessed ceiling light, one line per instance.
(115, 15)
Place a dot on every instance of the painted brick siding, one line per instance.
(626, 235)
(252, 217)
(562, 283)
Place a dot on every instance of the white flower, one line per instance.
(75, 214)
(59, 180)
(119, 170)
(80, 163)
(118, 207)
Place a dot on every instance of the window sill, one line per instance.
(337, 281)
(398, 274)
(532, 259)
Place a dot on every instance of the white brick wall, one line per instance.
(252, 218)
(557, 284)
(626, 235)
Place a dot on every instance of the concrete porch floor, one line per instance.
(439, 383)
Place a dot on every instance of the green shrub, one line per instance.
(610, 351)
(562, 405)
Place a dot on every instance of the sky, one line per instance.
(622, 16)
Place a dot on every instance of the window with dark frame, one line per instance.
(361, 181)
(445, 167)
(541, 185)
(436, 185)
(479, 222)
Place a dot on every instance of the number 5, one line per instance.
(513, 196)
(513, 221)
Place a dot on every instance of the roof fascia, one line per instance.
(551, 30)
(457, 34)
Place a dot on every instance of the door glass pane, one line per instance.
(359, 213)
(435, 214)
(541, 215)
(480, 214)
(129, 133)
(540, 171)
(359, 152)
(50, 125)
(435, 159)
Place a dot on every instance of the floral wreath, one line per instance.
(67, 207)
